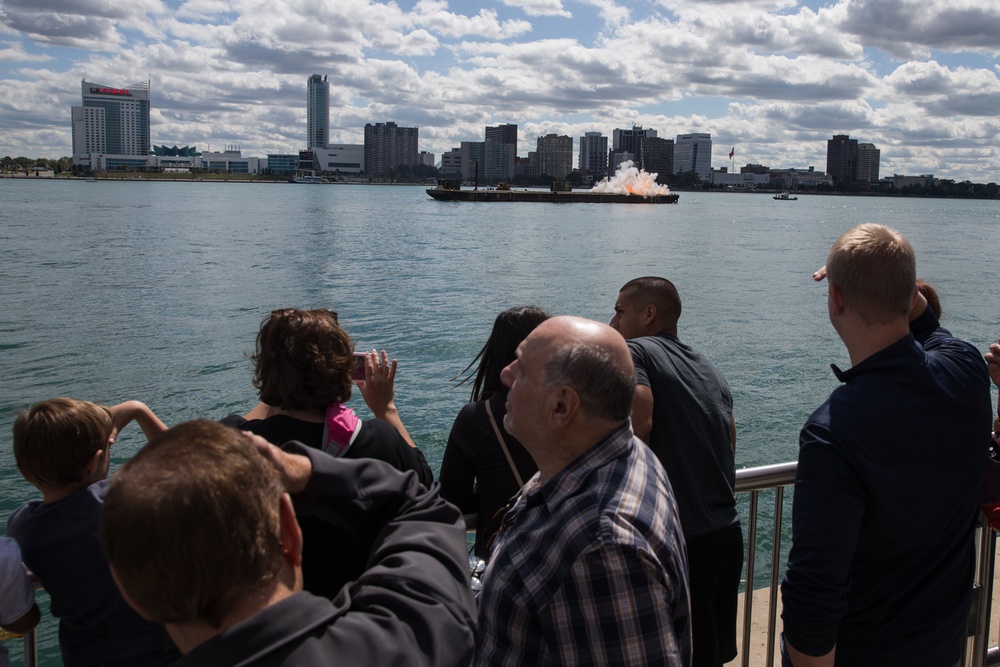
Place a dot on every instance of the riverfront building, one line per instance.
(594, 156)
(473, 160)
(693, 152)
(500, 152)
(388, 146)
(554, 155)
(842, 158)
(868, 159)
(317, 112)
(112, 123)
(658, 157)
(632, 142)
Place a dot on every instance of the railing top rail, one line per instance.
(765, 477)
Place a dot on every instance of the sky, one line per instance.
(772, 79)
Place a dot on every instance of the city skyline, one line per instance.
(773, 78)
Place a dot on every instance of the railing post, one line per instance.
(748, 588)
(772, 607)
(987, 558)
(30, 649)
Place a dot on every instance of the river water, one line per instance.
(119, 290)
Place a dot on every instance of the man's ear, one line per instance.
(291, 533)
(564, 403)
(836, 298)
(649, 314)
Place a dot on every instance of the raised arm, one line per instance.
(379, 393)
(137, 411)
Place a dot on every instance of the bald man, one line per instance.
(589, 566)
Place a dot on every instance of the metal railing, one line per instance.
(778, 476)
(754, 480)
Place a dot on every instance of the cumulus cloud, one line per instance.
(912, 28)
(13, 52)
(774, 77)
(540, 7)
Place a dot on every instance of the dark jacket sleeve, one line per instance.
(458, 467)
(413, 604)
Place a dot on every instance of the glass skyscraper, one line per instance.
(318, 112)
(111, 121)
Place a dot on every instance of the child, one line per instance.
(18, 611)
(62, 447)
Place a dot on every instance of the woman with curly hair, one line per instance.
(303, 367)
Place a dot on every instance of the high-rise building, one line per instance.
(632, 141)
(451, 163)
(388, 147)
(594, 155)
(693, 152)
(555, 155)
(659, 157)
(473, 160)
(111, 121)
(868, 159)
(501, 149)
(317, 112)
(842, 158)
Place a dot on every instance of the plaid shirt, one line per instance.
(590, 568)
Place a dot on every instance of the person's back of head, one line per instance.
(303, 360)
(931, 295)
(659, 292)
(510, 328)
(599, 370)
(875, 269)
(191, 525)
(56, 439)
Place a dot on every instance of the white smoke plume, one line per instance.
(633, 181)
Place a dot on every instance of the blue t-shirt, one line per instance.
(60, 544)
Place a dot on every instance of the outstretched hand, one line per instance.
(379, 392)
(378, 389)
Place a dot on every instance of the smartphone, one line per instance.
(359, 367)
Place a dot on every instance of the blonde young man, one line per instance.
(889, 475)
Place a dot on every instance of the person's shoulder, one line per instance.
(22, 516)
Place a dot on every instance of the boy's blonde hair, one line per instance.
(55, 439)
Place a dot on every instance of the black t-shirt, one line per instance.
(335, 554)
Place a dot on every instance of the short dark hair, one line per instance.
(657, 291)
(604, 386)
(303, 360)
(55, 439)
(191, 524)
(510, 328)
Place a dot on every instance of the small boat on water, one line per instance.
(785, 196)
(450, 191)
(308, 179)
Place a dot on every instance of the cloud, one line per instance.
(540, 7)
(912, 28)
(13, 52)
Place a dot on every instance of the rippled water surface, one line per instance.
(111, 291)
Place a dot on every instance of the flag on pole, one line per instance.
(732, 153)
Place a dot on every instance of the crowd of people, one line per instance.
(595, 462)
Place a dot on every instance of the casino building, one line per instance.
(111, 127)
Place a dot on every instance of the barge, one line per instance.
(450, 191)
